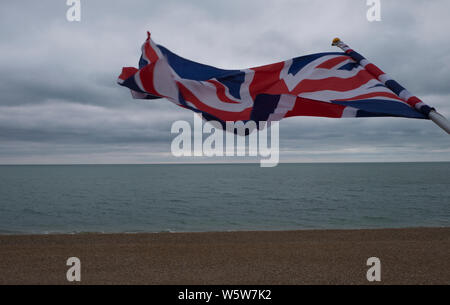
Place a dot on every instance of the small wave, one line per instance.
(368, 217)
(178, 200)
(10, 232)
(33, 212)
(168, 231)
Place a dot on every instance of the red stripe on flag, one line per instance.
(413, 100)
(374, 70)
(127, 72)
(333, 83)
(150, 53)
(332, 62)
(307, 107)
(373, 94)
(267, 80)
(146, 75)
(220, 114)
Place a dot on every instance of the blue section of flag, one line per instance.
(394, 86)
(264, 105)
(188, 69)
(349, 66)
(299, 63)
(356, 56)
(233, 83)
(377, 107)
(130, 83)
(142, 62)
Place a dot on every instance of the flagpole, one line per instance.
(439, 120)
(401, 92)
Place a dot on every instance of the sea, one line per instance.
(46, 199)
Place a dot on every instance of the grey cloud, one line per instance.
(59, 100)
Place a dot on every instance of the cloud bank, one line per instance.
(60, 103)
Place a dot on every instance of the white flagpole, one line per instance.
(401, 92)
(439, 120)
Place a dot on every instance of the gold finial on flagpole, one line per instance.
(335, 41)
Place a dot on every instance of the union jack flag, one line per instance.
(332, 84)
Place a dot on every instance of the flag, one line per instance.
(332, 84)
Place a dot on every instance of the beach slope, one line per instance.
(408, 256)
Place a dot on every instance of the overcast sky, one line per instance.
(60, 103)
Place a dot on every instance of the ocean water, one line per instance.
(219, 197)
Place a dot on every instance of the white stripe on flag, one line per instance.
(285, 104)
